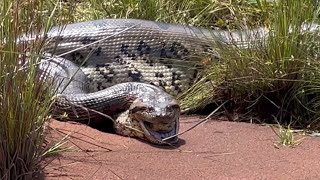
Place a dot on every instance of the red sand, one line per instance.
(214, 150)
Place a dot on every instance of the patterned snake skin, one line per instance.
(114, 52)
(123, 50)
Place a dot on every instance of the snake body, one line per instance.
(139, 109)
(121, 62)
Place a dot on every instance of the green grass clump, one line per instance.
(25, 98)
(277, 77)
(285, 135)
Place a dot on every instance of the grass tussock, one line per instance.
(25, 98)
(285, 135)
(277, 77)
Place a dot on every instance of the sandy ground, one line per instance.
(214, 150)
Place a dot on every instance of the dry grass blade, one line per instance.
(198, 123)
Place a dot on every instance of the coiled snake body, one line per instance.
(122, 61)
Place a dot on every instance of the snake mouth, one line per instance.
(156, 132)
(157, 116)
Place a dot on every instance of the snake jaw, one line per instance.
(152, 116)
(155, 119)
(156, 128)
(132, 125)
(158, 136)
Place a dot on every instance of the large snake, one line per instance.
(122, 61)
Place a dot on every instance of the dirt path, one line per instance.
(214, 150)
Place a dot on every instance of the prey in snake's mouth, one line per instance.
(161, 131)
(157, 123)
(151, 117)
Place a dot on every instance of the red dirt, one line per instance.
(214, 150)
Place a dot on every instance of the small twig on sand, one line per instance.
(197, 124)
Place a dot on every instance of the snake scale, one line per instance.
(127, 69)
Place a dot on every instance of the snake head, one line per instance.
(158, 118)
(152, 117)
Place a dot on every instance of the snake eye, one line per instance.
(172, 107)
(138, 108)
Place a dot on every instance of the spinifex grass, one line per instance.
(25, 98)
(267, 77)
